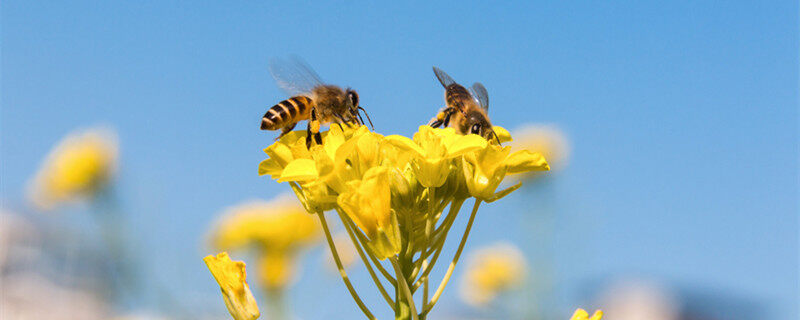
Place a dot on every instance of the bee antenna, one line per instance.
(494, 134)
(366, 114)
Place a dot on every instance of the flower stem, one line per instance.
(403, 286)
(375, 261)
(428, 306)
(341, 268)
(348, 227)
(455, 207)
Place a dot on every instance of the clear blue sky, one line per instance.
(683, 118)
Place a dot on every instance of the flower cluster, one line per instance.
(391, 193)
(77, 168)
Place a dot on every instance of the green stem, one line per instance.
(429, 305)
(375, 261)
(348, 227)
(341, 268)
(276, 305)
(437, 248)
(404, 288)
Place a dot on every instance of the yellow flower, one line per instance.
(432, 150)
(395, 190)
(491, 271)
(232, 279)
(368, 204)
(278, 230)
(547, 140)
(78, 167)
(581, 314)
(485, 169)
(277, 269)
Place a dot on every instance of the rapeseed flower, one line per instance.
(81, 165)
(232, 279)
(392, 194)
(491, 271)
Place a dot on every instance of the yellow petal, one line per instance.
(464, 144)
(581, 314)
(280, 152)
(232, 279)
(502, 134)
(299, 170)
(524, 161)
(270, 167)
(405, 144)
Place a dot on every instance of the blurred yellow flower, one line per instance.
(581, 314)
(548, 140)
(77, 168)
(278, 230)
(491, 271)
(232, 279)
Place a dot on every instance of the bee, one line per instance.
(311, 100)
(465, 110)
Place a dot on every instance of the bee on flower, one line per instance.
(492, 271)
(77, 168)
(397, 198)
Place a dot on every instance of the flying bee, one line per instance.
(465, 110)
(311, 100)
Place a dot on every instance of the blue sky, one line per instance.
(682, 116)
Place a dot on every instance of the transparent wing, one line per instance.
(480, 94)
(444, 79)
(294, 76)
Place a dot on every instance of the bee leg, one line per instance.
(318, 138)
(288, 128)
(341, 119)
(447, 119)
(313, 129)
(442, 118)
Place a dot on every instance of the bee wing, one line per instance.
(444, 79)
(294, 76)
(480, 94)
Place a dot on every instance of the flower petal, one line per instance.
(524, 161)
(232, 279)
(404, 143)
(299, 170)
(502, 134)
(464, 144)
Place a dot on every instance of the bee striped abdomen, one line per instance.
(455, 95)
(286, 112)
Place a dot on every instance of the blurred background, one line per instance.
(675, 193)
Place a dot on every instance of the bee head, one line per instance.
(480, 125)
(352, 100)
(353, 106)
